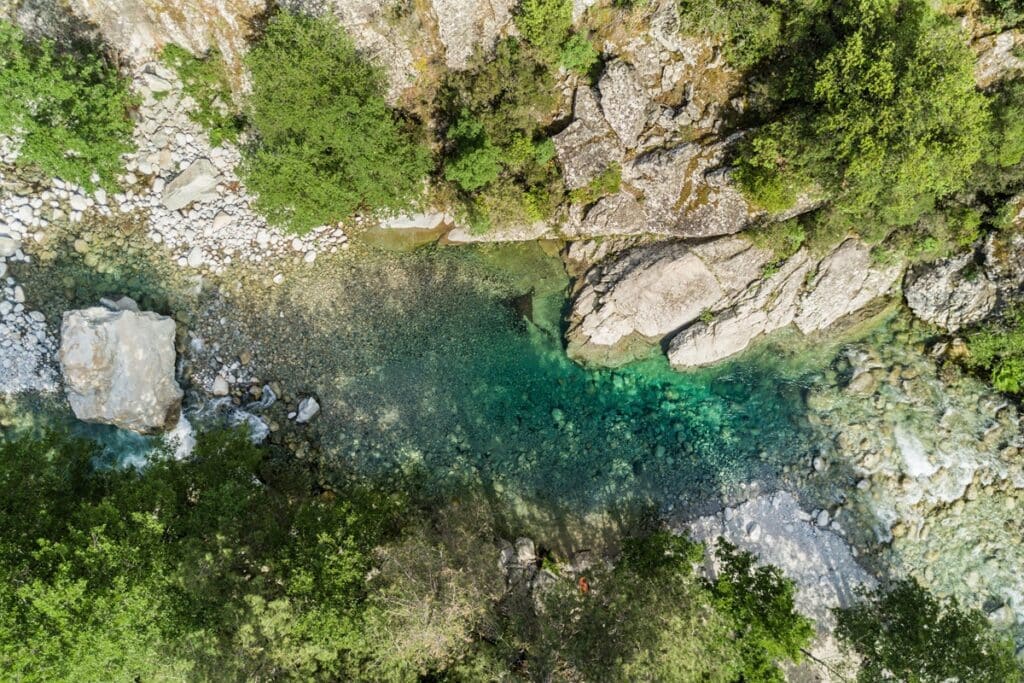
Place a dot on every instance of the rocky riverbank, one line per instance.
(731, 392)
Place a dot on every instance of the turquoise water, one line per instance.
(434, 363)
(446, 365)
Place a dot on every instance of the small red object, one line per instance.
(584, 585)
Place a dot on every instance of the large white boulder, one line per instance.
(118, 368)
(706, 302)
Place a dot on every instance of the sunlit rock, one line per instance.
(118, 368)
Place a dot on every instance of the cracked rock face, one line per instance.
(652, 291)
(951, 293)
(139, 28)
(463, 25)
(715, 298)
(118, 368)
(624, 102)
(588, 146)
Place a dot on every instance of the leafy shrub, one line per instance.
(579, 54)
(997, 348)
(69, 109)
(605, 184)
(495, 148)
(328, 144)
(475, 162)
(886, 119)
(904, 633)
(782, 238)
(545, 25)
(206, 81)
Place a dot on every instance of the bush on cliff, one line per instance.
(496, 153)
(327, 144)
(69, 108)
(886, 119)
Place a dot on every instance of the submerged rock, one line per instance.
(118, 368)
(308, 408)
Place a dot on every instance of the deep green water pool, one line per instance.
(446, 364)
(449, 363)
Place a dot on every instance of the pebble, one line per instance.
(308, 408)
(195, 257)
(220, 386)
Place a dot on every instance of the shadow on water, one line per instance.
(421, 363)
(427, 368)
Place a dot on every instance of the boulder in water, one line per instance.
(118, 368)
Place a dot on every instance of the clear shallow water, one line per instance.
(433, 362)
(446, 365)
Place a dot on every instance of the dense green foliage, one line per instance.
(213, 568)
(997, 349)
(1005, 12)
(229, 566)
(547, 26)
(69, 108)
(651, 618)
(904, 633)
(327, 144)
(885, 119)
(206, 81)
(760, 602)
(496, 151)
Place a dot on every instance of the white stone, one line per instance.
(308, 408)
(195, 183)
(9, 245)
(220, 386)
(195, 257)
(118, 368)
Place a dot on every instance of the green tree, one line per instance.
(69, 108)
(903, 632)
(495, 148)
(327, 144)
(760, 602)
(886, 119)
(215, 567)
